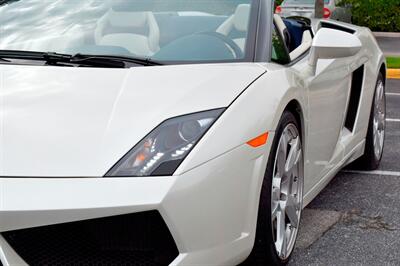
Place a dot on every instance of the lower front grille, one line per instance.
(140, 239)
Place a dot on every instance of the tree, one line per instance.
(319, 8)
(378, 15)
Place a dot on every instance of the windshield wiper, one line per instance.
(79, 59)
(85, 58)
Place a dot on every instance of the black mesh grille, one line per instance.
(140, 239)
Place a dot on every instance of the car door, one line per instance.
(327, 96)
(326, 92)
(329, 91)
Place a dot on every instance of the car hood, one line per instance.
(78, 122)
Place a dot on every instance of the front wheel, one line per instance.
(281, 197)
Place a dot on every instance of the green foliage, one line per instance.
(378, 15)
(393, 62)
(278, 2)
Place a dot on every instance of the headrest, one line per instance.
(127, 19)
(241, 17)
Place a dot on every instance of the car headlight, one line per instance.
(162, 151)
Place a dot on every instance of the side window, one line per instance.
(279, 52)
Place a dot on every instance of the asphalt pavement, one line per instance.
(389, 45)
(356, 218)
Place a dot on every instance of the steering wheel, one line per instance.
(236, 49)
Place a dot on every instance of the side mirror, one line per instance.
(330, 44)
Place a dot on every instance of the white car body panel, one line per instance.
(55, 105)
(50, 201)
(210, 204)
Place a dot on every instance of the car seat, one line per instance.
(236, 26)
(138, 32)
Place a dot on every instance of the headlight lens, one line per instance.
(161, 152)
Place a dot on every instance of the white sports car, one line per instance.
(181, 132)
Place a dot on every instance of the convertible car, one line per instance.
(175, 132)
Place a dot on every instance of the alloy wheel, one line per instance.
(379, 122)
(287, 191)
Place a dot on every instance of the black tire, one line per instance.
(369, 161)
(264, 252)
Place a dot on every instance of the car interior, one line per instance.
(296, 34)
(137, 32)
(235, 27)
(179, 34)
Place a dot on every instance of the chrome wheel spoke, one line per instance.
(381, 125)
(285, 186)
(276, 194)
(281, 241)
(376, 125)
(274, 210)
(294, 155)
(379, 143)
(291, 211)
(376, 137)
(281, 157)
(380, 90)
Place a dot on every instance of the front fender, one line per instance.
(256, 111)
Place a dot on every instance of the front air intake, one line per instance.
(140, 239)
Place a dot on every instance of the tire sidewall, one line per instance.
(369, 151)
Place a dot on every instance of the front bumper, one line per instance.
(210, 210)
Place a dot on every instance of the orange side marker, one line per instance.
(258, 141)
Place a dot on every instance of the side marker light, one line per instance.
(258, 141)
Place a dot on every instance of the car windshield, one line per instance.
(162, 30)
(303, 2)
